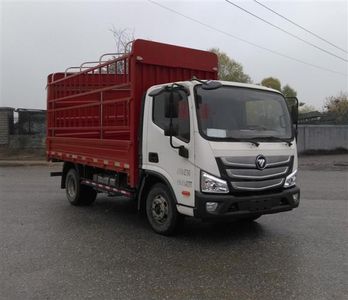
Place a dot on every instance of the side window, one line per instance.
(182, 123)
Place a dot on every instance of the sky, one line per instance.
(42, 37)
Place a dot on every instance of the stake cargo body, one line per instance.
(156, 126)
(94, 115)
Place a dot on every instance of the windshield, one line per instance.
(242, 113)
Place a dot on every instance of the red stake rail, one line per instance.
(93, 115)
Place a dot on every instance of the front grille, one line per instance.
(257, 174)
(245, 176)
(257, 185)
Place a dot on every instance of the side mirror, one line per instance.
(171, 131)
(199, 100)
(171, 111)
(292, 103)
(171, 105)
(294, 114)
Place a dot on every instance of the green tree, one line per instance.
(229, 69)
(288, 91)
(272, 83)
(337, 106)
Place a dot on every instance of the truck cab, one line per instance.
(223, 150)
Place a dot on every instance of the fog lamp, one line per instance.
(296, 197)
(211, 206)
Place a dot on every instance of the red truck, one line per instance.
(156, 126)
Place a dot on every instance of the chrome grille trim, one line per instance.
(243, 185)
(249, 161)
(249, 173)
(278, 163)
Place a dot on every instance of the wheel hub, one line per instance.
(160, 209)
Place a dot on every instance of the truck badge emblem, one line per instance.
(260, 162)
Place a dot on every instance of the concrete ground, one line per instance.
(51, 250)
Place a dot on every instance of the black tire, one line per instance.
(77, 193)
(161, 210)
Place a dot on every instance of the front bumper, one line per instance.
(230, 206)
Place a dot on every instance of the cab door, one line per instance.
(158, 154)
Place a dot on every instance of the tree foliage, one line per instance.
(288, 91)
(272, 83)
(306, 108)
(337, 106)
(229, 69)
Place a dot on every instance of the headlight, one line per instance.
(212, 184)
(290, 180)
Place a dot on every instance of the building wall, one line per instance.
(6, 124)
(322, 137)
(26, 142)
(27, 133)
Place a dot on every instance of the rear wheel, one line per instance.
(77, 193)
(161, 210)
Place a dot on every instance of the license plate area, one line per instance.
(258, 205)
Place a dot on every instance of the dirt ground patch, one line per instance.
(324, 162)
(22, 155)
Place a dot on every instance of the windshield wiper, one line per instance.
(273, 138)
(256, 143)
(208, 84)
(251, 141)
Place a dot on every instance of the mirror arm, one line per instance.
(182, 150)
(171, 130)
(171, 143)
(296, 130)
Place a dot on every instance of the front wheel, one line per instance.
(161, 210)
(76, 193)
